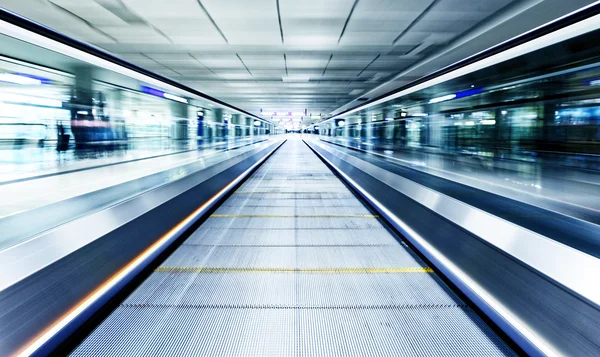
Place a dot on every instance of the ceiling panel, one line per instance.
(246, 22)
(314, 61)
(90, 11)
(487, 6)
(234, 50)
(316, 9)
(135, 34)
(356, 38)
(219, 61)
(350, 62)
(256, 62)
(159, 10)
(51, 16)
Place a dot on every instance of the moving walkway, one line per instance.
(292, 263)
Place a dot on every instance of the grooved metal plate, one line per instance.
(293, 211)
(250, 222)
(290, 290)
(291, 237)
(268, 211)
(345, 237)
(252, 201)
(293, 257)
(317, 185)
(356, 257)
(337, 223)
(396, 332)
(325, 211)
(300, 189)
(218, 289)
(232, 257)
(247, 201)
(217, 236)
(293, 264)
(296, 195)
(194, 331)
(374, 290)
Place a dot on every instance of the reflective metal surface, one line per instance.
(36, 252)
(575, 271)
(276, 272)
(98, 255)
(544, 317)
(75, 195)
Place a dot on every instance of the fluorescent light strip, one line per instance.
(26, 99)
(17, 79)
(563, 34)
(155, 248)
(442, 98)
(447, 265)
(175, 98)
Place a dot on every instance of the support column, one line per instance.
(237, 120)
(83, 93)
(431, 132)
(117, 97)
(549, 137)
(200, 115)
(82, 103)
(248, 131)
(179, 115)
(218, 123)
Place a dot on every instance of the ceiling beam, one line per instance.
(279, 19)
(213, 21)
(327, 65)
(347, 20)
(247, 69)
(414, 22)
(367, 66)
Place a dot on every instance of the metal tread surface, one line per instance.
(293, 264)
(292, 237)
(294, 290)
(225, 331)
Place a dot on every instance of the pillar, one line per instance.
(179, 115)
(81, 105)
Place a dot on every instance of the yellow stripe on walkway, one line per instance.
(167, 269)
(218, 215)
(288, 192)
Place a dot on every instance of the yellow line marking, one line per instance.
(287, 192)
(218, 215)
(331, 177)
(166, 269)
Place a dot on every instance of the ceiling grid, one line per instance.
(278, 55)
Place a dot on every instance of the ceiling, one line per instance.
(278, 55)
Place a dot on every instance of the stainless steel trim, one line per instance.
(571, 268)
(135, 266)
(24, 259)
